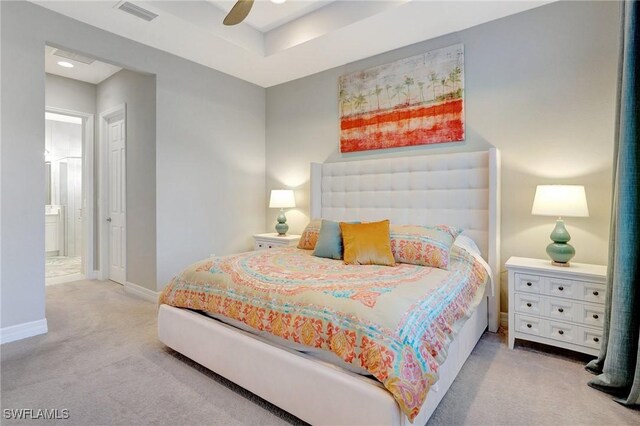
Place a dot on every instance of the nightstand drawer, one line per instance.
(528, 283)
(262, 245)
(560, 309)
(562, 331)
(591, 315)
(529, 325)
(563, 288)
(528, 304)
(590, 337)
(592, 292)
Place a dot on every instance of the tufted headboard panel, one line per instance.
(460, 189)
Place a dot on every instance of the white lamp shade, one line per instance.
(282, 199)
(560, 200)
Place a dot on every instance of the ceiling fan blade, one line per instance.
(238, 12)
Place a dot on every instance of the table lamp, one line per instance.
(282, 199)
(560, 200)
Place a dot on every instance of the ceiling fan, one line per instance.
(240, 10)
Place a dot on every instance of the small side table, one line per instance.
(557, 306)
(273, 240)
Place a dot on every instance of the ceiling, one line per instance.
(282, 42)
(93, 72)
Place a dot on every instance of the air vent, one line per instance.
(73, 56)
(135, 10)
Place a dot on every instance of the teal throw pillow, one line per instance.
(329, 243)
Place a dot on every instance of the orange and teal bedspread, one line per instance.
(394, 322)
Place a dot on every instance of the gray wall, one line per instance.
(138, 92)
(210, 152)
(74, 95)
(540, 86)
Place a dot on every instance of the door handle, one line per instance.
(108, 219)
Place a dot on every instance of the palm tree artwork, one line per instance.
(344, 99)
(454, 77)
(421, 87)
(433, 79)
(377, 91)
(359, 102)
(389, 95)
(413, 101)
(444, 83)
(408, 81)
(399, 89)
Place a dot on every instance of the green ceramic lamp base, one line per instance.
(559, 250)
(282, 226)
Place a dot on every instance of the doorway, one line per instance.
(68, 185)
(122, 231)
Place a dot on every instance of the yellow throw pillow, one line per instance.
(367, 243)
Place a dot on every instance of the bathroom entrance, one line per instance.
(66, 134)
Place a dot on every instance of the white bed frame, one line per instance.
(460, 189)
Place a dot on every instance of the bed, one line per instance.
(460, 189)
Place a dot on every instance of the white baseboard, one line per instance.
(504, 320)
(141, 292)
(22, 331)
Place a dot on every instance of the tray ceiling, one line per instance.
(282, 42)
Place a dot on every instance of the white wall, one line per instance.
(210, 152)
(138, 92)
(72, 95)
(540, 86)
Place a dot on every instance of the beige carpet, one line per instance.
(101, 361)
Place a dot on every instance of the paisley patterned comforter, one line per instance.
(395, 322)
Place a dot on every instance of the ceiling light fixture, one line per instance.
(65, 64)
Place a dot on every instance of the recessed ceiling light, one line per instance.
(65, 64)
(278, 1)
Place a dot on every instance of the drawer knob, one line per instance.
(529, 284)
(595, 339)
(560, 332)
(596, 316)
(560, 310)
(528, 325)
(528, 305)
(560, 288)
(595, 293)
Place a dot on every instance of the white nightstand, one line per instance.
(557, 306)
(272, 240)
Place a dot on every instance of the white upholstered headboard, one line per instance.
(461, 189)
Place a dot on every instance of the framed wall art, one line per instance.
(413, 101)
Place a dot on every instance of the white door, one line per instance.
(116, 221)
